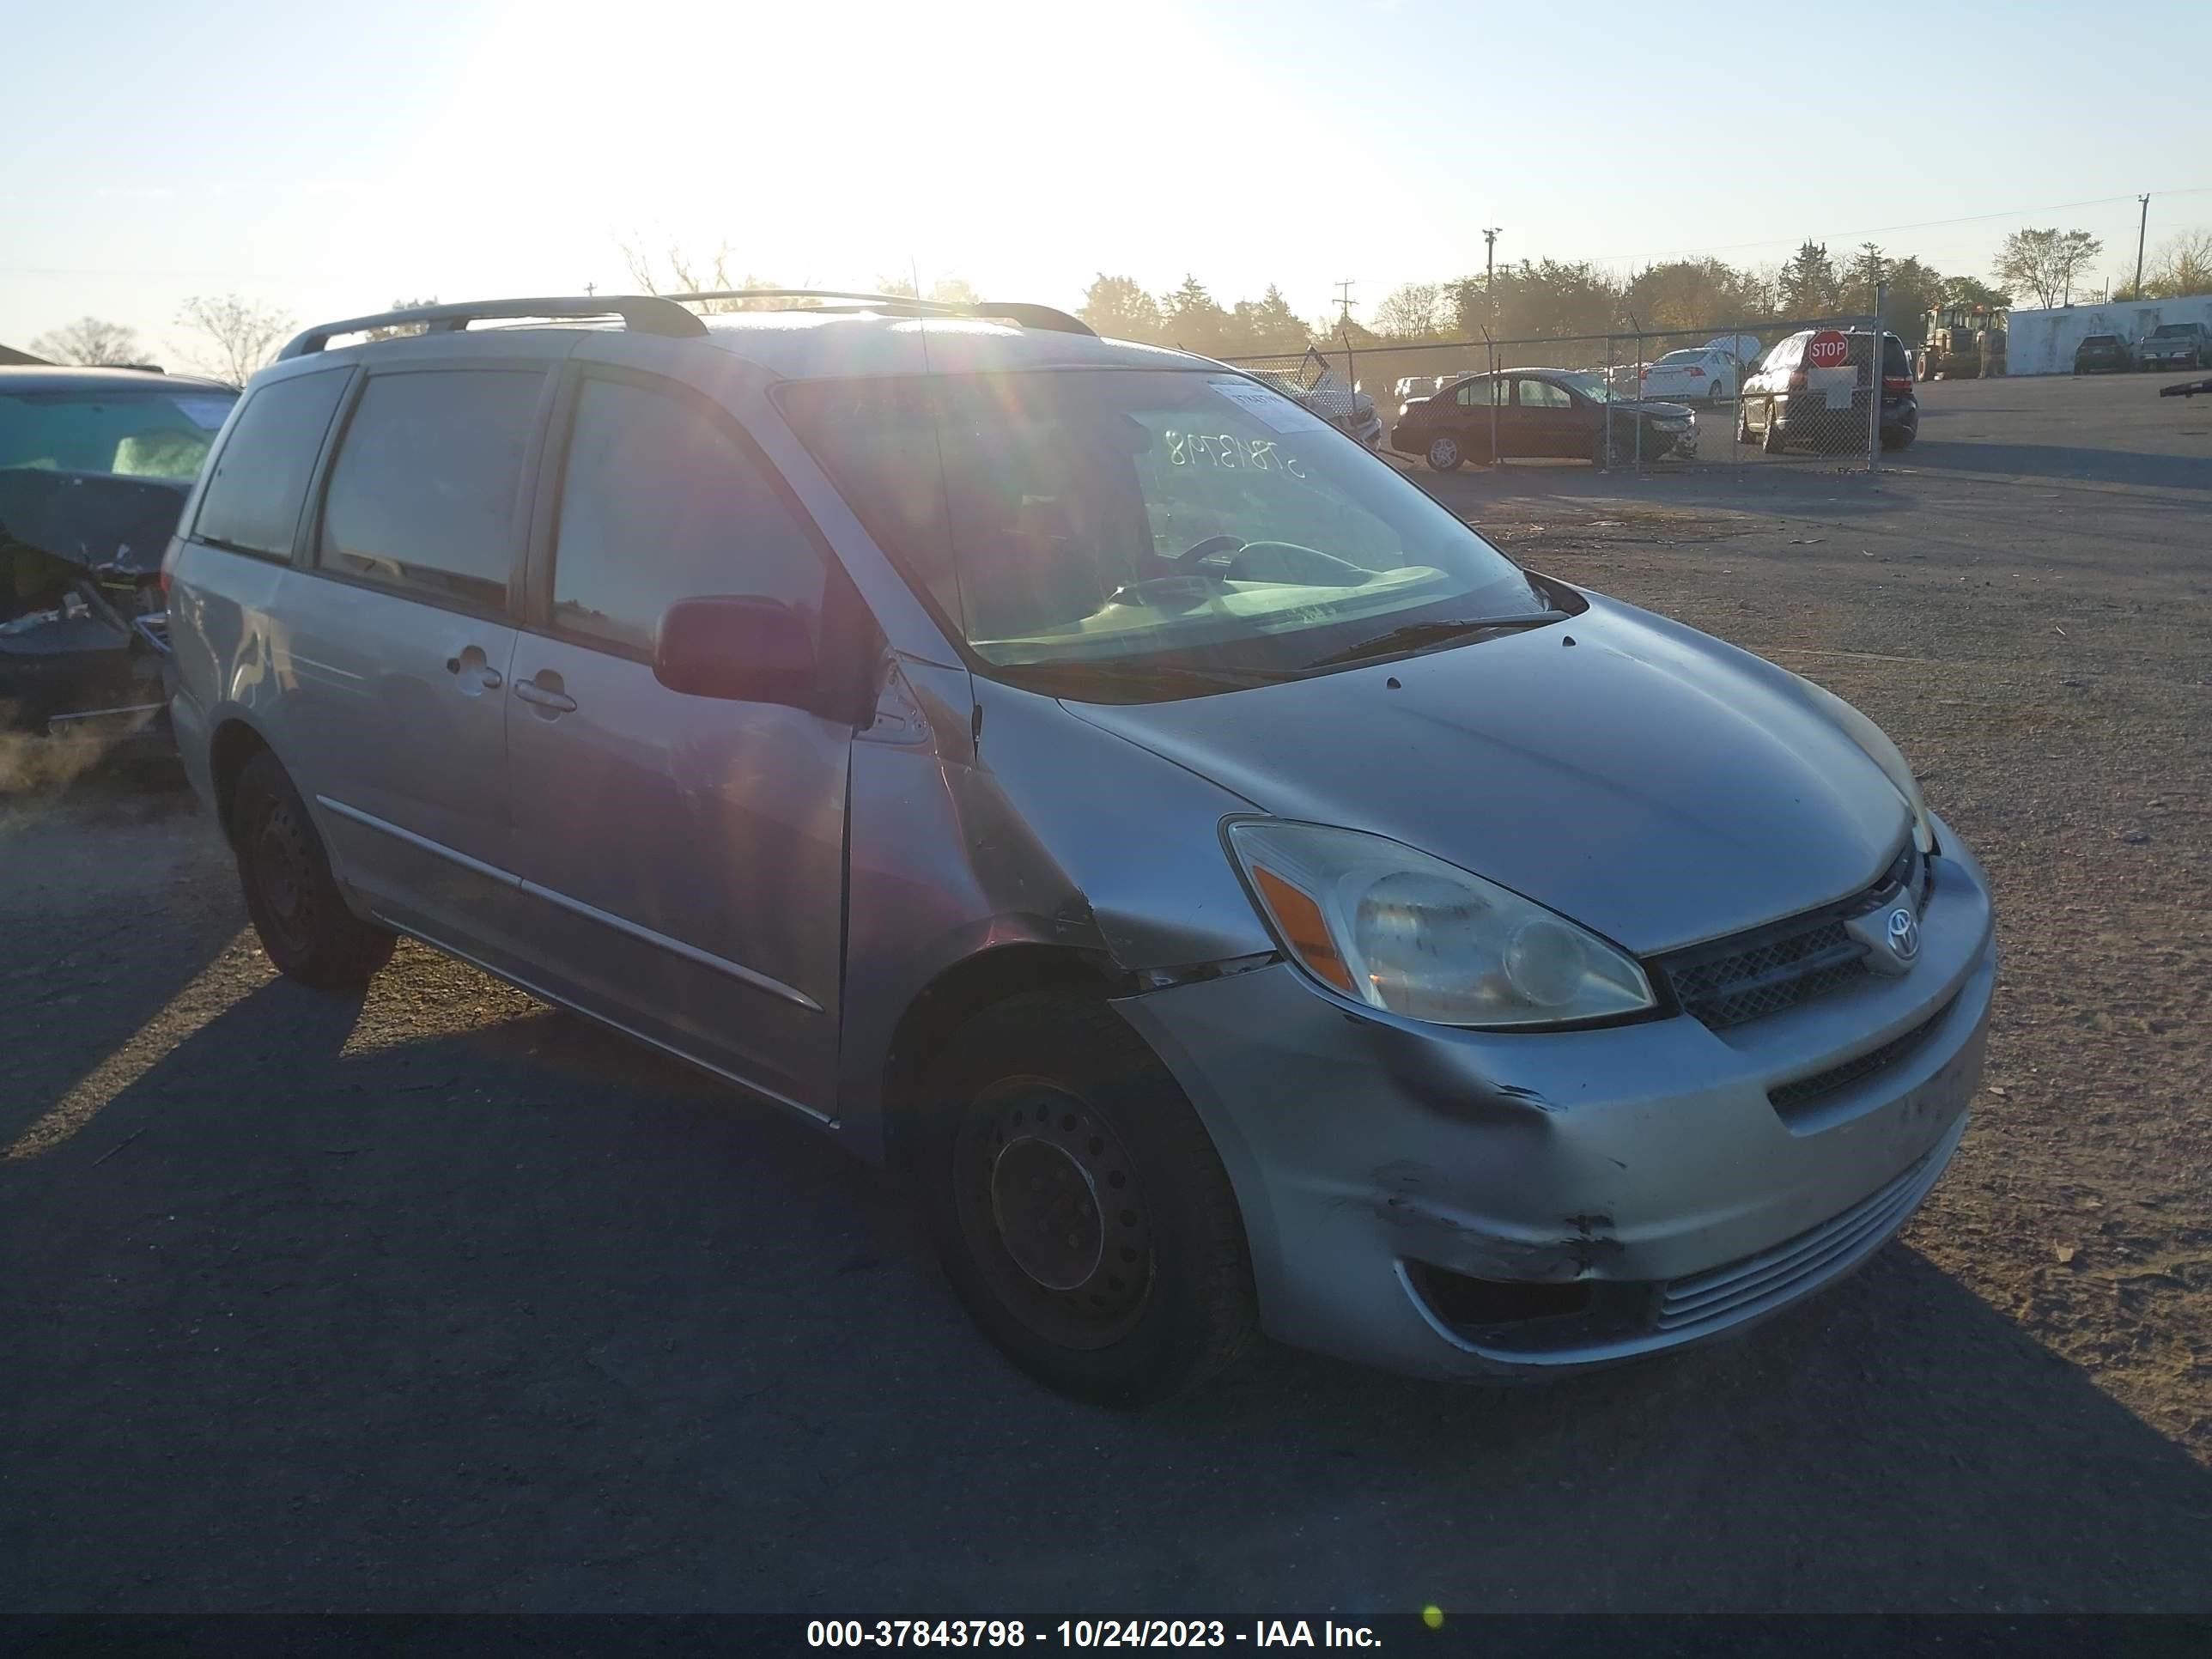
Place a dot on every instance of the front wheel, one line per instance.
(1769, 437)
(291, 895)
(1445, 455)
(1079, 1206)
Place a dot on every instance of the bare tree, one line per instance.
(679, 272)
(92, 341)
(236, 336)
(1411, 312)
(2184, 267)
(2045, 262)
(401, 331)
(945, 290)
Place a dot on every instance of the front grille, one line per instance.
(1750, 975)
(1805, 1089)
(1743, 1288)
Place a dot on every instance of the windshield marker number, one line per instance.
(1229, 453)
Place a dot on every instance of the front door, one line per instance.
(682, 857)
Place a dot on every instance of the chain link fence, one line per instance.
(1834, 391)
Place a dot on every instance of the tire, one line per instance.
(1743, 419)
(1022, 1222)
(1443, 455)
(1771, 439)
(290, 894)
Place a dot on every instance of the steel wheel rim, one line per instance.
(1050, 1207)
(283, 877)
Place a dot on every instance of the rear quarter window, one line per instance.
(253, 500)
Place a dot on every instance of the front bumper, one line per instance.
(1640, 1172)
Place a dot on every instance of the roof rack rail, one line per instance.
(647, 313)
(1013, 311)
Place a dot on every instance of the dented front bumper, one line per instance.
(1400, 1182)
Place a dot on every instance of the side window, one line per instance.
(660, 502)
(253, 500)
(422, 495)
(1475, 394)
(1542, 394)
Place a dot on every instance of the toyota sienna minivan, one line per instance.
(1236, 896)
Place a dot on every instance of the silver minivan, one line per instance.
(1236, 896)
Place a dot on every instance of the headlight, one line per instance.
(1412, 935)
(1882, 752)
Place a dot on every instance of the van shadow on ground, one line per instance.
(519, 1319)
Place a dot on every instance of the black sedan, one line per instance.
(94, 467)
(2103, 354)
(1531, 413)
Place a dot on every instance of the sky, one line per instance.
(326, 160)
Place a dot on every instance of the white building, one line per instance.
(2043, 341)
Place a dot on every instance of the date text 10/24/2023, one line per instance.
(1085, 1634)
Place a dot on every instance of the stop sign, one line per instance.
(1827, 349)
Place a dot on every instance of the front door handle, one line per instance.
(545, 697)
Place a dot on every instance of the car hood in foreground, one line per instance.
(1646, 781)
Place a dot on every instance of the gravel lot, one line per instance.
(440, 1300)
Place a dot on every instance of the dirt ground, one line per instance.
(440, 1300)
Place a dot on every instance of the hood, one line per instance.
(97, 521)
(1657, 406)
(1648, 781)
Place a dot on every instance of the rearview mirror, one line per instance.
(740, 649)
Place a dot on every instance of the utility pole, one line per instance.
(2142, 225)
(1489, 254)
(591, 288)
(1343, 328)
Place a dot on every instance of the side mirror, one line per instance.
(742, 650)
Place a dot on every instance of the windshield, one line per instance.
(2172, 330)
(1680, 357)
(161, 432)
(1175, 521)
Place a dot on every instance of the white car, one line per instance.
(1700, 375)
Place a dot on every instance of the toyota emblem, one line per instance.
(1904, 932)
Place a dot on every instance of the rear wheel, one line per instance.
(291, 895)
(1445, 455)
(1078, 1205)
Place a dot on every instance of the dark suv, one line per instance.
(1790, 401)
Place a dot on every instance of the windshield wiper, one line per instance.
(1412, 637)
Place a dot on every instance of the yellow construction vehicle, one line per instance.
(1952, 342)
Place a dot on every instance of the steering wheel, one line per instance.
(1201, 552)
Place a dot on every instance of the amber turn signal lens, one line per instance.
(1299, 921)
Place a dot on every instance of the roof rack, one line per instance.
(1012, 311)
(647, 313)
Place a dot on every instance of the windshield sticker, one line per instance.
(207, 413)
(1269, 407)
(1229, 453)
